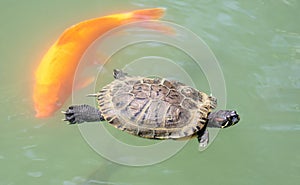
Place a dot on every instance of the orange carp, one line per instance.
(54, 75)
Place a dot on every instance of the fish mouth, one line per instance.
(43, 114)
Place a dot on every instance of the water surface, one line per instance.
(257, 44)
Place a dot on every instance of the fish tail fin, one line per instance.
(146, 14)
(153, 14)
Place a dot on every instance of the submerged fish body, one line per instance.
(55, 73)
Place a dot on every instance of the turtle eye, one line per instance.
(233, 114)
(234, 117)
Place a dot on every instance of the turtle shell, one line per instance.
(155, 108)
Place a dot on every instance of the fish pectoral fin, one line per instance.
(84, 83)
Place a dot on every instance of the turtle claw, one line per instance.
(68, 123)
(70, 116)
(64, 119)
(70, 119)
(203, 144)
(203, 138)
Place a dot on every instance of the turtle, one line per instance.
(154, 108)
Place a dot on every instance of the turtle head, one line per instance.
(223, 118)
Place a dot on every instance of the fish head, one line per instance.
(47, 100)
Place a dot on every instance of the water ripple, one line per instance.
(281, 128)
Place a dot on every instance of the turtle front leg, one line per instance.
(82, 113)
(203, 138)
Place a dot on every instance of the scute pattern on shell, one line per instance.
(155, 108)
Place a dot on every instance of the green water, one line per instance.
(257, 44)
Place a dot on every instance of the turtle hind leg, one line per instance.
(82, 113)
(203, 138)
